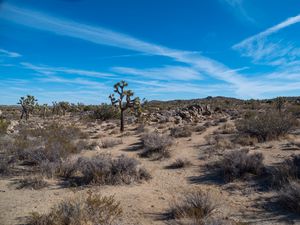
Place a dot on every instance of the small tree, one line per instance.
(124, 100)
(27, 103)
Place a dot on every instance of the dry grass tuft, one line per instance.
(110, 142)
(94, 209)
(196, 206)
(179, 163)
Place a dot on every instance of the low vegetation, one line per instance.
(289, 197)
(285, 172)
(179, 132)
(94, 209)
(157, 145)
(196, 206)
(179, 163)
(266, 126)
(110, 142)
(35, 182)
(239, 163)
(3, 126)
(104, 170)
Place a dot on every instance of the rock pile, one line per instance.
(192, 113)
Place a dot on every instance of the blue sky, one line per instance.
(75, 50)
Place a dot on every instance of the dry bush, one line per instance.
(36, 183)
(105, 112)
(51, 143)
(284, 173)
(196, 206)
(266, 126)
(223, 143)
(180, 163)
(200, 128)
(156, 144)
(3, 126)
(179, 132)
(289, 197)
(103, 169)
(227, 128)
(238, 163)
(110, 142)
(140, 128)
(94, 209)
(5, 166)
(245, 140)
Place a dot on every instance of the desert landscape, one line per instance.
(149, 112)
(205, 161)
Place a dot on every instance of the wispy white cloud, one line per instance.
(263, 49)
(204, 66)
(79, 81)
(238, 6)
(163, 73)
(288, 22)
(9, 54)
(48, 70)
(105, 36)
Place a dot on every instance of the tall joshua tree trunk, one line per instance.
(128, 103)
(122, 121)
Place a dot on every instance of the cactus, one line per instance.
(124, 101)
(27, 103)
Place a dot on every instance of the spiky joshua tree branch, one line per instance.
(27, 103)
(124, 101)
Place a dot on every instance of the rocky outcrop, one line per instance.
(192, 113)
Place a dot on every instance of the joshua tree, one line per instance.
(28, 103)
(124, 100)
(279, 103)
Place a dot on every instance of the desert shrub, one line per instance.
(140, 128)
(294, 110)
(110, 142)
(156, 144)
(227, 128)
(103, 169)
(284, 173)
(178, 132)
(196, 206)
(36, 183)
(5, 166)
(289, 197)
(200, 128)
(94, 209)
(179, 163)
(51, 143)
(266, 126)
(3, 126)
(239, 163)
(105, 112)
(245, 140)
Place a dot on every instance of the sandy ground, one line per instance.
(144, 203)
